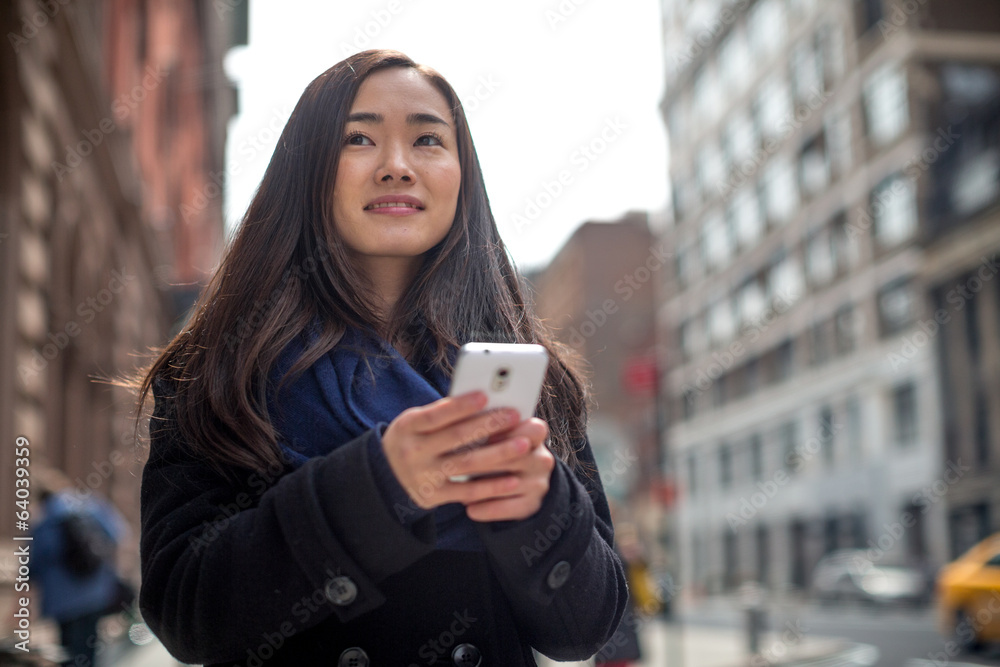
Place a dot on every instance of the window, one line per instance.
(814, 168)
(692, 474)
(722, 324)
(766, 27)
(904, 410)
(757, 457)
(830, 38)
(886, 104)
(821, 264)
(734, 59)
(982, 429)
(807, 71)
(773, 108)
(825, 429)
(725, 465)
(894, 210)
(896, 306)
(751, 303)
(711, 170)
(787, 438)
(707, 94)
(719, 246)
(781, 193)
(854, 431)
(845, 329)
(786, 281)
(741, 139)
(819, 344)
(838, 140)
(784, 360)
(689, 403)
(745, 214)
(846, 243)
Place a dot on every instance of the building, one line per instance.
(113, 123)
(598, 295)
(804, 137)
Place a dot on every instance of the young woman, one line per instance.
(296, 504)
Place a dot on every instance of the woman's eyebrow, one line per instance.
(411, 119)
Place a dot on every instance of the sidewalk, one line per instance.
(688, 645)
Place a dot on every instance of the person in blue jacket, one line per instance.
(297, 504)
(75, 594)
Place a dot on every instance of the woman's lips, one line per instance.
(393, 208)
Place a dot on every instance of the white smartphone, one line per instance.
(510, 374)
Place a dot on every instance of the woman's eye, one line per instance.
(357, 139)
(429, 140)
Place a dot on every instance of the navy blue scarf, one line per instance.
(362, 383)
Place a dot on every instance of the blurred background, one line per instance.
(771, 227)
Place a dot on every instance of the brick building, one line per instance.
(113, 122)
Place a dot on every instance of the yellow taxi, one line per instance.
(968, 596)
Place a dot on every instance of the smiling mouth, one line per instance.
(393, 204)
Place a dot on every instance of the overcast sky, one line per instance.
(554, 90)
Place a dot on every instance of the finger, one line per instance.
(489, 458)
(476, 429)
(509, 508)
(444, 412)
(533, 428)
(477, 490)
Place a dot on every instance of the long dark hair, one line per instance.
(286, 267)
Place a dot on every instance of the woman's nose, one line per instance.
(395, 165)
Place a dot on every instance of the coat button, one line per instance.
(353, 657)
(466, 655)
(342, 591)
(558, 574)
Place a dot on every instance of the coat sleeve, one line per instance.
(558, 568)
(210, 545)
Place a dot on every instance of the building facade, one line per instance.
(803, 418)
(113, 120)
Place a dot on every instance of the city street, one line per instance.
(902, 637)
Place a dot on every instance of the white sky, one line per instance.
(559, 79)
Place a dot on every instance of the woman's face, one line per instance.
(399, 174)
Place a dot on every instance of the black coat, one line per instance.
(312, 568)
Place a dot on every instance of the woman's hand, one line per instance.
(421, 443)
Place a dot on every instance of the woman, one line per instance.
(295, 506)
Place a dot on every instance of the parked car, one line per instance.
(968, 596)
(850, 575)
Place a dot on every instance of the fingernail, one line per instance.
(512, 416)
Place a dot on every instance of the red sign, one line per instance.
(640, 377)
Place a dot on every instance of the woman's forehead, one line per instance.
(399, 88)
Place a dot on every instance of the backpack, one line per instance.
(86, 545)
